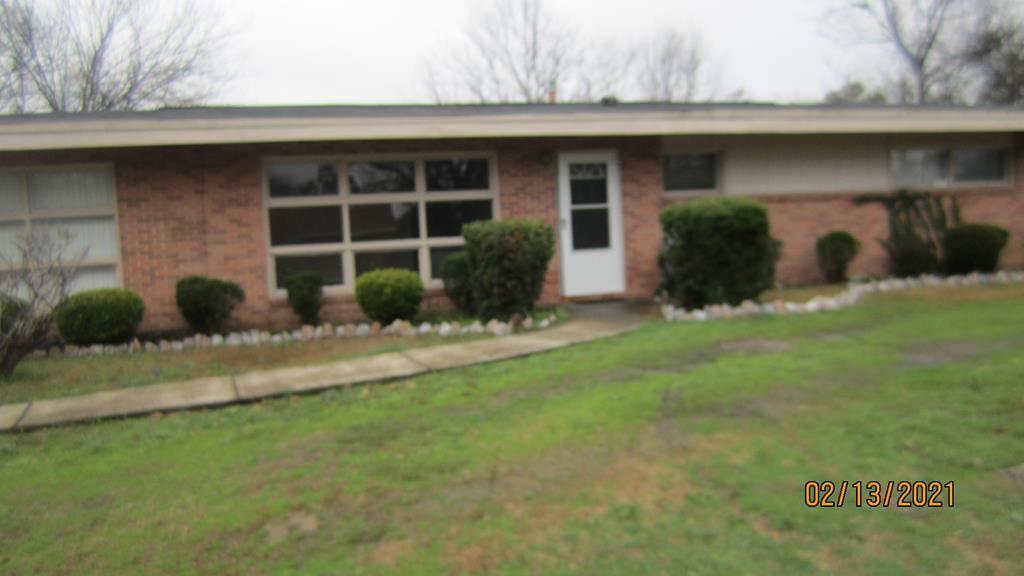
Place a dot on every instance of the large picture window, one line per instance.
(342, 217)
(77, 201)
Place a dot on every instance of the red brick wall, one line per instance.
(198, 210)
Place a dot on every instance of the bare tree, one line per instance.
(996, 56)
(925, 35)
(855, 92)
(671, 67)
(515, 51)
(97, 55)
(35, 281)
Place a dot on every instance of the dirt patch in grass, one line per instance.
(938, 353)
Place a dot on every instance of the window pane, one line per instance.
(370, 177)
(93, 278)
(588, 184)
(70, 189)
(328, 265)
(919, 166)
(689, 172)
(466, 174)
(368, 261)
(590, 228)
(447, 218)
(979, 165)
(12, 198)
(9, 234)
(313, 225)
(94, 235)
(302, 179)
(438, 256)
(383, 221)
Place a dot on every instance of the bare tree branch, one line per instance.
(671, 67)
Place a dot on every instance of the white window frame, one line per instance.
(948, 182)
(28, 216)
(344, 199)
(688, 192)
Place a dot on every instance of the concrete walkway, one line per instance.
(589, 322)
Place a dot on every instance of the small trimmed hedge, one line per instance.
(835, 252)
(717, 250)
(105, 316)
(974, 248)
(305, 293)
(458, 281)
(389, 294)
(207, 303)
(508, 260)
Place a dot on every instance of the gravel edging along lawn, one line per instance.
(848, 297)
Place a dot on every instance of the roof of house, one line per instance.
(224, 124)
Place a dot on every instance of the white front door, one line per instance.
(590, 215)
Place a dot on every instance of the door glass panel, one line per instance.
(314, 225)
(590, 228)
(367, 261)
(381, 177)
(384, 221)
(588, 184)
(327, 265)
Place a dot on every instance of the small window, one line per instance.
(446, 218)
(452, 175)
(307, 225)
(327, 265)
(394, 221)
(368, 261)
(302, 179)
(919, 166)
(979, 165)
(690, 172)
(381, 177)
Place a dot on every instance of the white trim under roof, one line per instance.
(166, 128)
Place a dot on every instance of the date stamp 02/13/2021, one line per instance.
(875, 494)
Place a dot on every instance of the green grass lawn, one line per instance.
(677, 449)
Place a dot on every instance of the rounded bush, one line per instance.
(305, 292)
(206, 303)
(974, 248)
(835, 252)
(508, 260)
(717, 250)
(106, 316)
(457, 275)
(389, 294)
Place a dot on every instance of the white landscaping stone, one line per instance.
(445, 329)
(363, 329)
(424, 328)
(216, 340)
(545, 323)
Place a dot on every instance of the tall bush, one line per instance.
(104, 316)
(717, 250)
(835, 252)
(305, 294)
(508, 260)
(457, 274)
(207, 303)
(974, 248)
(918, 222)
(389, 294)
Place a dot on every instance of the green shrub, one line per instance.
(835, 252)
(974, 248)
(10, 310)
(105, 316)
(918, 222)
(508, 260)
(458, 281)
(206, 303)
(717, 250)
(389, 294)
(305, 292)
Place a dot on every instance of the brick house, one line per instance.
(254, 194)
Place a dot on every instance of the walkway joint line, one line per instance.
(234, 386)
(22, 417)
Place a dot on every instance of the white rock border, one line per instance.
(306, 333)
(848, 297)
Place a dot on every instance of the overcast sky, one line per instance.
(373, 51)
